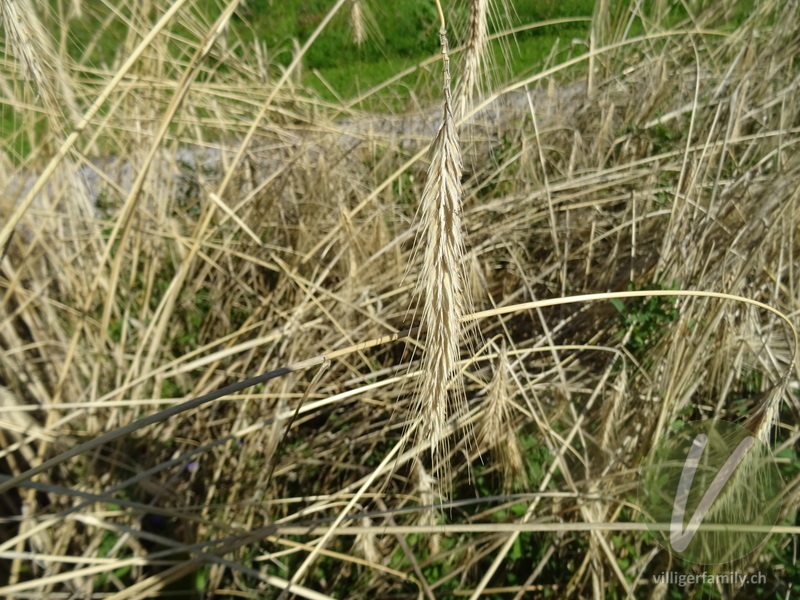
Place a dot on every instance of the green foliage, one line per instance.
(665, 136)
(646, 317)
(537, 457)
(108, 540)
(404, 33)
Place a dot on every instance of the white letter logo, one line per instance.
(677, 536)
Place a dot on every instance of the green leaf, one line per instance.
(516, 550)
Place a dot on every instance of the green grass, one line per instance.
(403, 34)
(646, 318)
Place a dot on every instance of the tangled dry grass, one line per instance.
(237, 224)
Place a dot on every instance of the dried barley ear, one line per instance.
(442, 281)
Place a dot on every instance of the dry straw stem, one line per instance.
(64, 148)
(232, 169)
(521, 84)
(106, 438)
(516, 528)
(31, 45)
(124, 223)
(617, 169)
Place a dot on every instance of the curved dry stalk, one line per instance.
(17, 480)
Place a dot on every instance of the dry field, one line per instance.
(467, 325)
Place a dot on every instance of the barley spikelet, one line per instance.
(425, 485)
(357, 22)
(763, 422)
(497, 431)
(32, 47)
(475, 53)
(21, 28)
(747, 494)
(75, 9)
(441, 282)
(367, 544)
